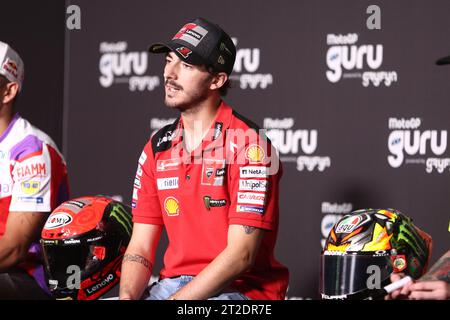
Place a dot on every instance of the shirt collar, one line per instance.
(220, 124)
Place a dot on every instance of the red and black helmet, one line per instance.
(83, 243)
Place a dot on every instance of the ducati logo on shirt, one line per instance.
(172, 206)
(212, 175)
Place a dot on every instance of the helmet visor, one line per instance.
(64, 263)
(347, 274)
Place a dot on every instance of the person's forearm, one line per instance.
(226, 267)
(440, 270)
(136, 273)
(9, 256)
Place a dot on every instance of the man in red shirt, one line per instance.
(211, 179)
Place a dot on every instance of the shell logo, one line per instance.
(172, 206)
(254, 153)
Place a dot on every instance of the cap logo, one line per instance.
(191, 33)
(10, 66)
(224, 47)
(185, 52)
(221, 60)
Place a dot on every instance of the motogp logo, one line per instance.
(407, 140)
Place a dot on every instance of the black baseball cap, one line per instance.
(201, 42)
(442, 61)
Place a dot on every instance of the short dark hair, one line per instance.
(226, 86)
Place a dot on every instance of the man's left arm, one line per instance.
(237, 257)
(21, 229)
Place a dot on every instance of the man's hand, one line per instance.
(430, 290)
(402, 293)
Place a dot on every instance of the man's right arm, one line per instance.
(137, 264)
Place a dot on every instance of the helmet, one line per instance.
(364, 247)
(83, 242)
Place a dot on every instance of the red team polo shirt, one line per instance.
(231, 178)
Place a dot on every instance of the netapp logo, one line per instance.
(407, 139)
(245, 69)
(343, 53)
(290, 142)
(117, 66)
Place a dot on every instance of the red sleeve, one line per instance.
(254, 186)
(145, 203)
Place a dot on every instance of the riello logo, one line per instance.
(347, 60)
(409, 145)
(246, 69)
(119, 66)
(296, 145)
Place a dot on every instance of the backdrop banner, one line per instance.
(360, 116)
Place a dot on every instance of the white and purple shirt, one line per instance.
(33, 173)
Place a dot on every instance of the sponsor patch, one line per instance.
(250, 209)
(167, 183)
(166, 165)
(142, 158)
(135, 194)
(349, 224)
(137, 183)
(213, 202)
(75, 206)
(254, 154)
(172, 206)
(101, 285)
(10, 66)
(398, 262)
(57, 220)
(191, 33)
(139, 171)
(185, 52)
(253, 185)
(252, 198)
(30, 187)
(72, 241)
(38, 200)
(31, 170)
(217, 130)
(210, 168)
(254, 172)
(168, 136)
